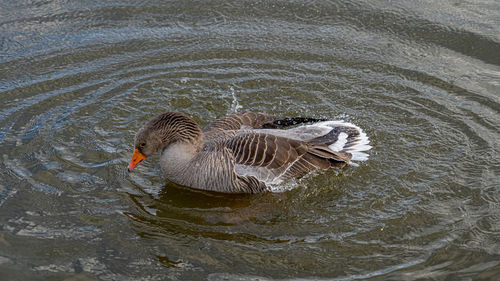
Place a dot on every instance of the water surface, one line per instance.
(420, 77)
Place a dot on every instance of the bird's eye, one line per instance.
(142, 144)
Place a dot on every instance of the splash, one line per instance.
(235, 105)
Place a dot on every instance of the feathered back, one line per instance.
(239, 120)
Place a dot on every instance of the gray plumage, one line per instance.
(247, 152)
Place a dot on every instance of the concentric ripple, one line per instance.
(77, 81)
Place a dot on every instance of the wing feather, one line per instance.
(270, 157)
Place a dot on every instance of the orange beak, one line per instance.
(137, 159)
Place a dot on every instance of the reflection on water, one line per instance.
(421, 79)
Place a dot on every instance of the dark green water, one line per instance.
(422, 78)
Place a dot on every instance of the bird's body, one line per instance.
(246, 152)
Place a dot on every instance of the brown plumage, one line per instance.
(246, 152)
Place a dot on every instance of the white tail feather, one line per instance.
(340, 143)
(354, 145)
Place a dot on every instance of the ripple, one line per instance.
(78, 81)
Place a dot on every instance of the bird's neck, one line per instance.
(181, 151)
(176, 159)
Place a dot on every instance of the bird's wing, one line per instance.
(273, 158)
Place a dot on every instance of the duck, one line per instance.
(246, 152)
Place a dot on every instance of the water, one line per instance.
(421, 78)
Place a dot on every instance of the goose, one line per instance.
(246, 152)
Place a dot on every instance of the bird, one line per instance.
(246, 152)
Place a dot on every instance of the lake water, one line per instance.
(422, 78)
